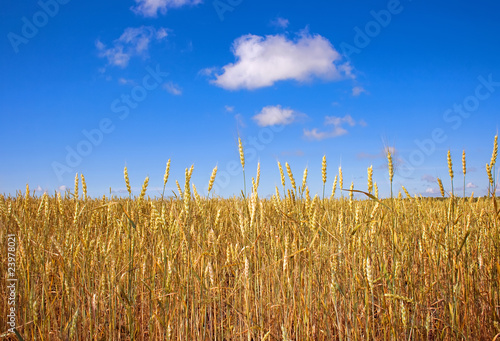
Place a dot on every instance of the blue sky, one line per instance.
(91, 87)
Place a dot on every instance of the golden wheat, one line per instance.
(196, 267)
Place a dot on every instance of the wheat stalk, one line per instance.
(370, 179)
(242, 160)
(212, 179)
(304, 180)
(341, 181)
(390, 166)
(144, 188)
(84, 187)
(127, 181)
(257, 177)
(441, 188)
(282, 174)
(76, 187)
(165, 178)
(495, 152)
(290, 176)
(450, 171)
(406, 192)
(464, 167)
(334, 187)
(323, 173)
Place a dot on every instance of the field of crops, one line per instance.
(293, 267)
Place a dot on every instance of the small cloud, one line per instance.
(337, 121)
(263, 61)
(275, 115)
(337, 130)
(358, 90)
(39, 189)
(150, 8)
(280, 22)
(62, 188)
(125, 81)
(172, 88)
(430, 190)
(315, 134)
(470, 185)
(207, 72)
(428, 178)
(134, 41)
(229, 108)
(161, 33)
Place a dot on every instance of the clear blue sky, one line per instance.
(89, 87)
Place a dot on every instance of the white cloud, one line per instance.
(357, 90)
(336, 131)
(428, 178)
(125, 81)
(150, 8)
(134, 41)
(207, 72)
(229, 108)
(280, 22)
(172, 88)
(471, 185)
(275, 115)
(161, 33)
(431, 190)
(262, 61)
(338, 121)
(315, 134)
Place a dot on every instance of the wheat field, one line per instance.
(293, 267)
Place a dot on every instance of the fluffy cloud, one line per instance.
(150, 8)
(336, 131)
(280, 22)
(262, 61)
(172, 88)
(428, 178)
(471, 185)
(134, 41)
(357, 90)
(125, 81)
(430, 190)
(275, 115)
